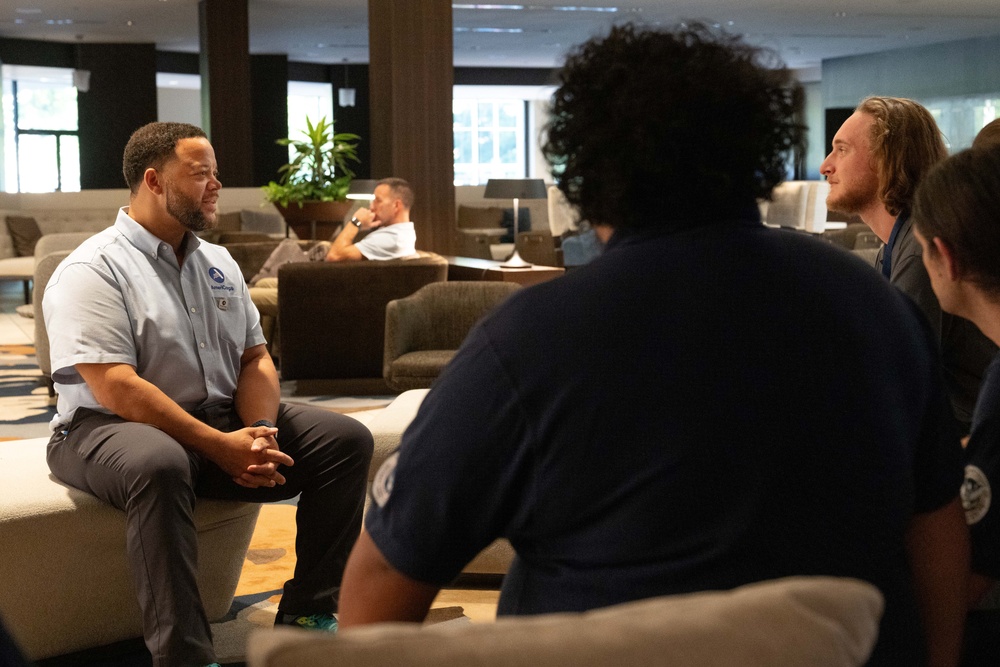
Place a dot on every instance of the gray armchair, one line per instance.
(423, 331)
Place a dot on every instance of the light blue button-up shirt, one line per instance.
(121, 297)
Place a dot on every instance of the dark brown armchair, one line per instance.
(332, 318)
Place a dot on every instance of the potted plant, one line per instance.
(311, 192)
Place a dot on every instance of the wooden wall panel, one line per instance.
(410, 82)
(225, 87)
(121, 99)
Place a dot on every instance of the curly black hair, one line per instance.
(151, 146)
(672, 128)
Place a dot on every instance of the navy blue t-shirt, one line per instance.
(981, 470)
(689, 411)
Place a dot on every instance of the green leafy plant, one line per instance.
(319, 169)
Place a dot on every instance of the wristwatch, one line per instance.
(263, 422)
(356, 222)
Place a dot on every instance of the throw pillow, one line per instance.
(24, 232)
(477, 217)
(287, 251)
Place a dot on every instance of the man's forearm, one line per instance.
(120, 389)
(938, 546)
(257, 390)
(342, 247)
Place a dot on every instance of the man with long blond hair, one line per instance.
(879, 156)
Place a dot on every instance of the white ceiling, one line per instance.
(334, 31)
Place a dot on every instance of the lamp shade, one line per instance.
(362, 188)
(515, 188)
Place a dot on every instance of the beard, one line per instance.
(188, 211)
(852, 201)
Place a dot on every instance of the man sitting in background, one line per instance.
(666, 418)
(391, 235)
(879, 156)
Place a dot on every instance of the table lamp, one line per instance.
(362, 188)
(515, 188)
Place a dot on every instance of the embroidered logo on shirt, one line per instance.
(216, 275)
(976, 495)
(222, 302)
(384, 478)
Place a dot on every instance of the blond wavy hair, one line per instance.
(905, 144)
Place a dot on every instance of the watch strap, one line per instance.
(263, 422)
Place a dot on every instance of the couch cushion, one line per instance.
(24, 232)
(263, 221)
(229, 222)
(479, 217)
(817, 621)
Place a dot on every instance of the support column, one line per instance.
(225, 87)
(106, 119)
(269, 74)
(410, 79)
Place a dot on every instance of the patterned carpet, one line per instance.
(24, 404)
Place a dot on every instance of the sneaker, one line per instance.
(325, 622)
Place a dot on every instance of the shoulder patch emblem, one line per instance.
(976, 495)
(384, 478)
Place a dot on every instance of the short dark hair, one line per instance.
(905, 143)
(400, 189)
(153, 145)
(671, 128)
(958, 201)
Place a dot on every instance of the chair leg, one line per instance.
(27, 291)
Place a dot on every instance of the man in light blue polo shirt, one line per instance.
(167, 394)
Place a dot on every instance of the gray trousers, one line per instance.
(141, 470)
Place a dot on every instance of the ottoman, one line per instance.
(65, 586)
(387, 430)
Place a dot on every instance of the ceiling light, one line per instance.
(584, 9)
(490, 30)
(457, 6)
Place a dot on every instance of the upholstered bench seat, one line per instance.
(65, 586)
(387, 430)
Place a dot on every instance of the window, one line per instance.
(41, 143)
(307, 100)
(489, 140)
(961, 118)
(496, 132)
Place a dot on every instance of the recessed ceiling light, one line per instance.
(490, 30)
(572, 8)
(465, 6)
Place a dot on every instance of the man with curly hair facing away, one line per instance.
(670, 418)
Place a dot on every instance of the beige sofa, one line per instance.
(815, 621)
(29, 216)
(65, 586)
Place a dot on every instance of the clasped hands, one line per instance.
(252, 457)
